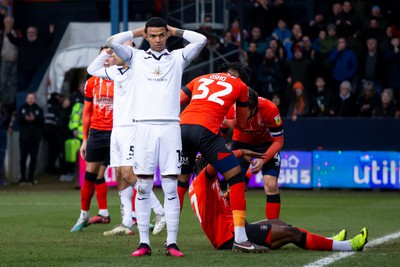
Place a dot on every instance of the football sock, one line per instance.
(273, 206)
(315, 242)
(87, 190)
(156, 205)
(172, 208)
(342, 246)
(84, 214)
(182, 189)
(143, 208)
(126, 206)
(101, 193)
(238, 204)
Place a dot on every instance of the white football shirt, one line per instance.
(123, 94)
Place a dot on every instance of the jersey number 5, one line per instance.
(214, 97)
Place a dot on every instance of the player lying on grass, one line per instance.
(215, 216)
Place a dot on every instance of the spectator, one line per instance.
(228, 48)
(317, 41)
(372, 65)
(372, 30)
(290, 43)
(8, 71)
(327, 44)
(278, 49)
(50, 131)
(261, 15)
(311, 53)
(30, 120)
(384, 45)
(386, 107)
(300, 70)
(299, 105)
(322, 103)
(4, 122)
(392, 58)
(271, 77)
(238, 34)
(376, 14)
(315, 26)
(281, 32)
(348, 22)
(31, 50)
(282, 11)
(344, 63)
(280, 102)
(367, 100)
(256, 37)
(333, 15)
(253, 61)
(345, 103)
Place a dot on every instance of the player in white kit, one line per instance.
(122, 141)
(157, 77)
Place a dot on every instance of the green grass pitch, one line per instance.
(35, 230)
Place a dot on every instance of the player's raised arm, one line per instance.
(96, 68)
(196, 42)
(117, 43)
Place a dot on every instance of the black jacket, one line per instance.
(30, 130)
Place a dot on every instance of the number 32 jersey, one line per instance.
(212, 95)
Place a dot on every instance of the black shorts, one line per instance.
(196, 138)
(98, 146)
(257, 233)
(272, 167)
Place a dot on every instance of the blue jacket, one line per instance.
(345, 64)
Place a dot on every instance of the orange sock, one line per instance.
(317, 242)
(182, 189)
(87, 192)
(238, 203)
(101, 193)
(273, 206)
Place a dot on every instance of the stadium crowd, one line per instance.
(339, 64)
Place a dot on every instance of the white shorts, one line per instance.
(121, 147)
(157, 145)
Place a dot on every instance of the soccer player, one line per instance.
(157, 78)
(97, 121)
(122, 141)
(211, 97)
(215, 216)
(263, 133)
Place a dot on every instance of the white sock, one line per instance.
(172, 208)
(240, 234)
(84, 214)
(143, 208)
(126, 206)
(156, 205)
(104, 213)
(342, 246)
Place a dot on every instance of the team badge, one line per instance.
(158, 72)
(277, 119)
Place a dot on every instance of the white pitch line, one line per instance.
(338, 256)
